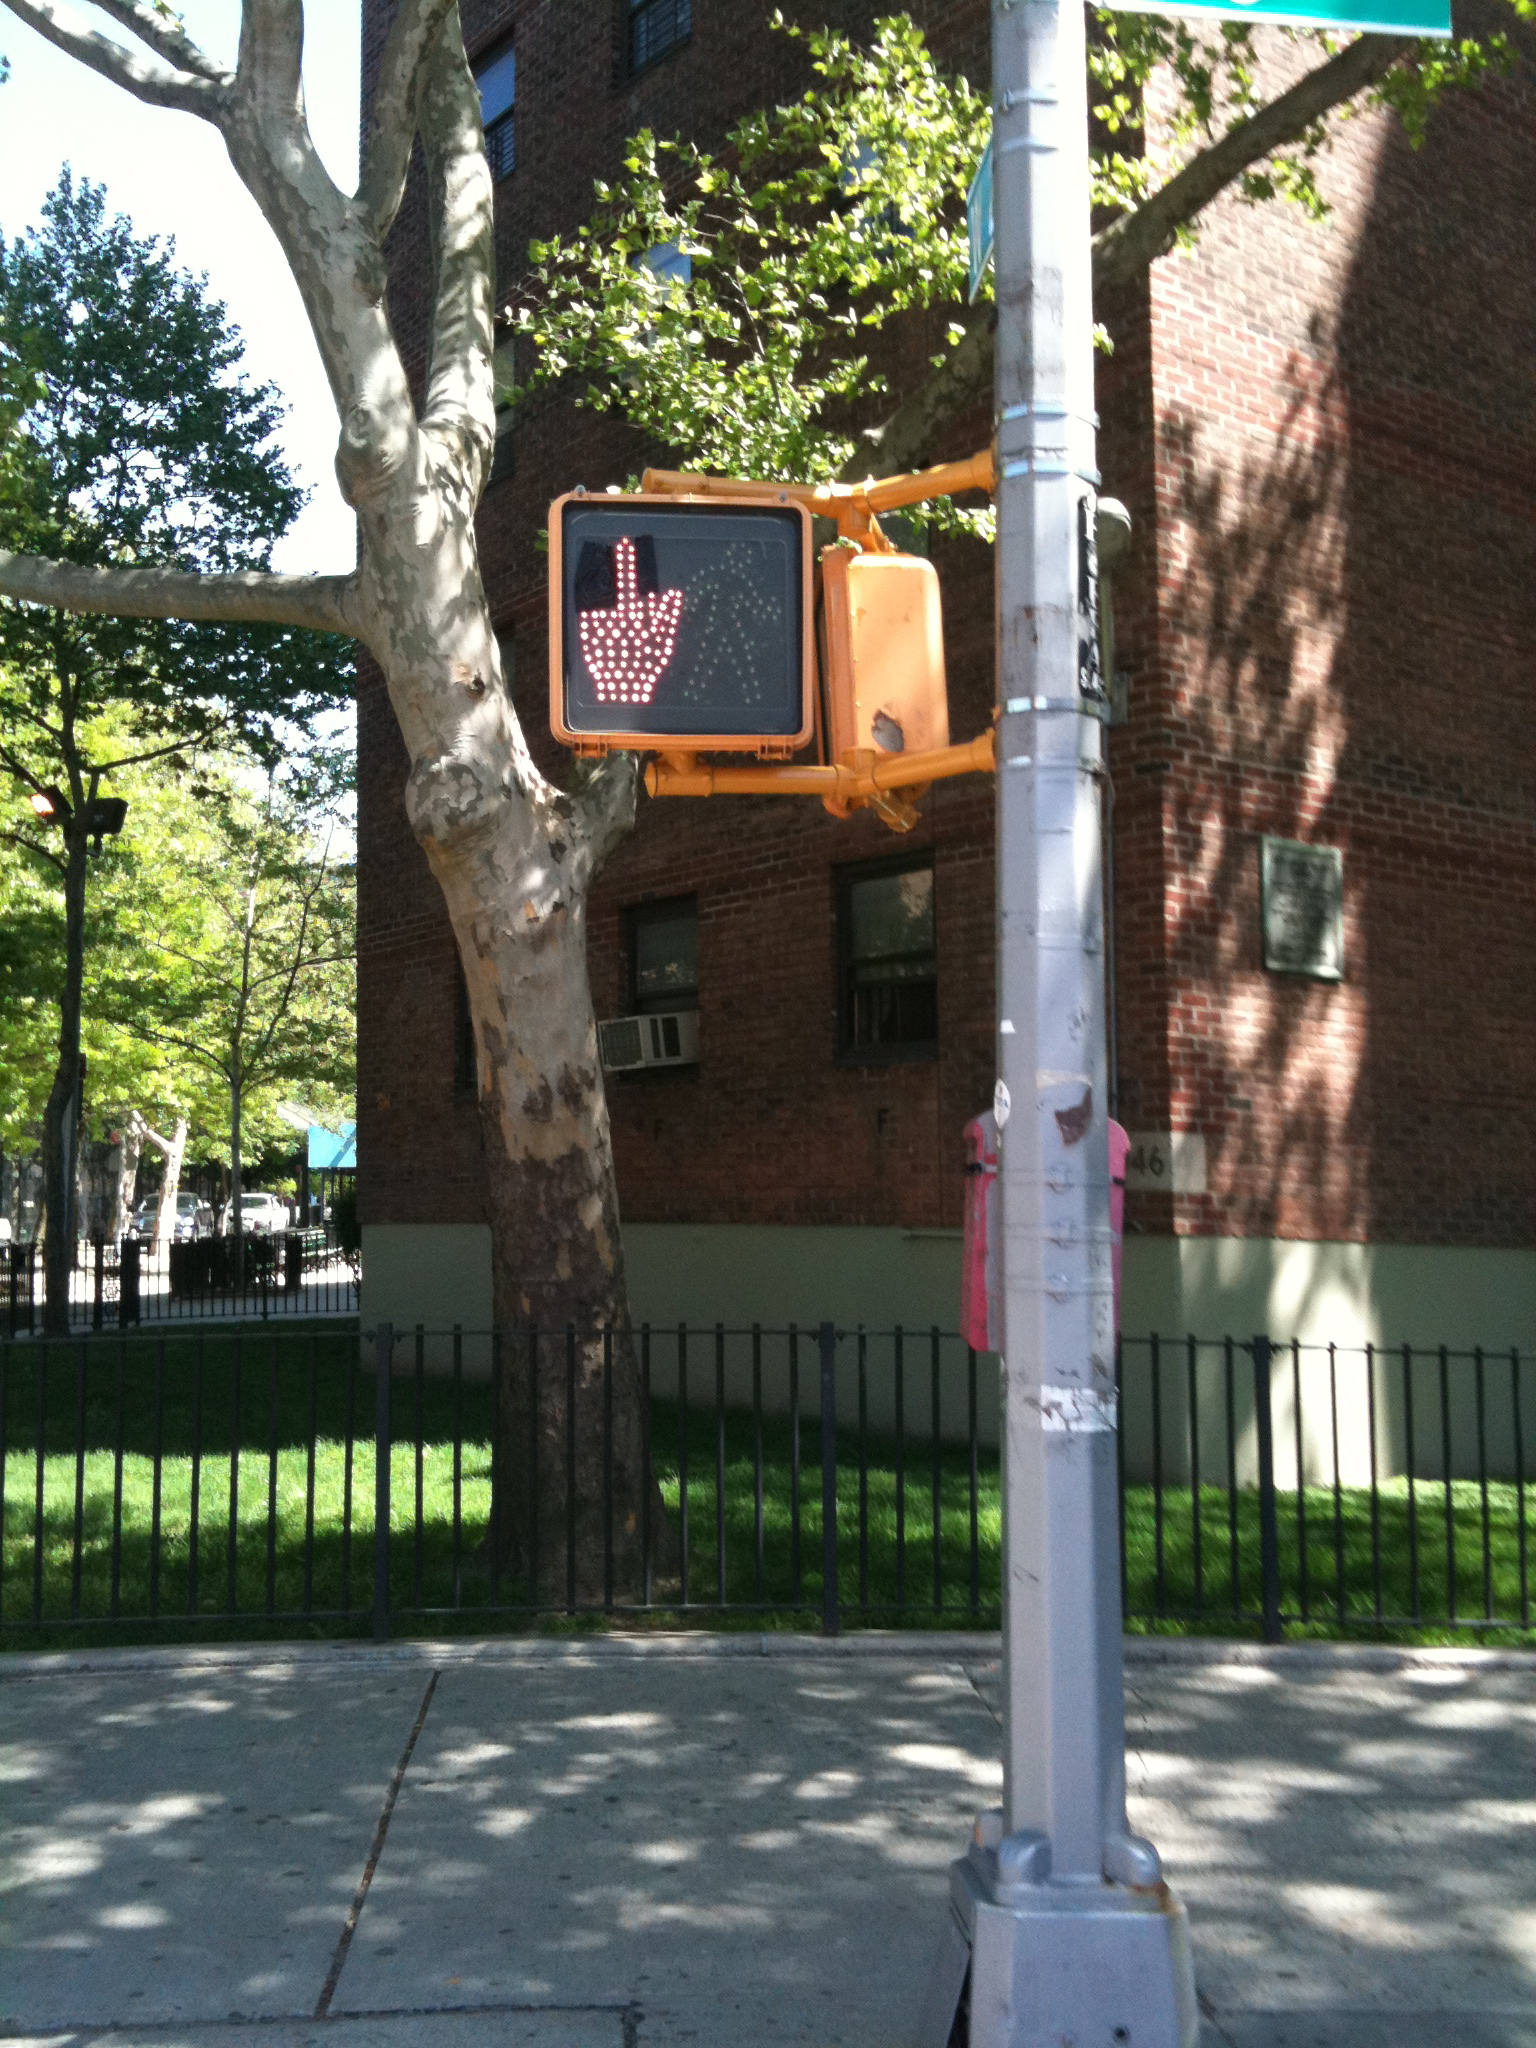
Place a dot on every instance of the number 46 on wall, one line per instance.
(1166, 1162)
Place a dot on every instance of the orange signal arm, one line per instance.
(853, 506)
(686, 775)
(978, 472)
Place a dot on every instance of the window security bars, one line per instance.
(221, 1480)
(663, 955)
(501, 147)
(124, 1285)
(496, 76)
(655, 28)
(888, 1004)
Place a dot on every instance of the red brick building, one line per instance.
(1326, 435)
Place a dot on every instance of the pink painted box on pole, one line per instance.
(980, 1319)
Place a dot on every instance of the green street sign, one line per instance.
(1380, 17)
(978, 219)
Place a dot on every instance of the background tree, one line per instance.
(141, 441)
(130, 876)
(515, 853)
(156, 920)
(18, 387)
(246, 978)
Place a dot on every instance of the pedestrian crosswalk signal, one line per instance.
(680, 627)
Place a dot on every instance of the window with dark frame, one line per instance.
(657, 27)
(664, 955)
(888, 969)
(503, 453)
(496, 76)
(464, 1064)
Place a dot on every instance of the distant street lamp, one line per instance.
(50, 805)
(99, 817)
(102, 816)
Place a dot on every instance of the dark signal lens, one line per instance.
(682, 619)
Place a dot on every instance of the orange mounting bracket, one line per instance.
(861, 777)
(872, 779)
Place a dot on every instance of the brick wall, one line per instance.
(1346, 514)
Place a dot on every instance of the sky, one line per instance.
(169, 173)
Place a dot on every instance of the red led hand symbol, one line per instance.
(627, 649)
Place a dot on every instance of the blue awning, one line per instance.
(332, 1151)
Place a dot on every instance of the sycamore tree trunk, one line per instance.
(517, 897)
(174, 1151)
(130, 1152)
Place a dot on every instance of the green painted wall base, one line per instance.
(739, 1274)
(1342, 1294)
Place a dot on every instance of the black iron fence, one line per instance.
(1378, 1486)
(120, 1285)
(208, 1480)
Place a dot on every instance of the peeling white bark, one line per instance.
(129, 1153)
(174, 1151)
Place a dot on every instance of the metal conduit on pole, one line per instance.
(1061, 1928)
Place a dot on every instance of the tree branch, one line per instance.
(181, 746)
(1128, 246)
(13, 765)
(336, 264)
(961, 381)
(461, 398)
(396, 100)
(161, 87)
(163, 34)
(31, 846)
(323, 603)
(15, 710)
(288, 979)
(605, 798)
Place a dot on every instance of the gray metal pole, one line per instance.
(1059, 1913)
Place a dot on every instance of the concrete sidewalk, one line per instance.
(725, 1840)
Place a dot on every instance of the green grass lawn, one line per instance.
(242, 1425)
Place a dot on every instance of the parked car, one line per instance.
(194, 1219)
(261, 1215)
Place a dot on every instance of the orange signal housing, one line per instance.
(882, 673)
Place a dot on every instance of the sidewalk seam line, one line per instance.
(359, 1897)
(970, 1679)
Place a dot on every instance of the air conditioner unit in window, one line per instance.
(668, 1039)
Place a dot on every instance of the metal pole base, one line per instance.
(1038, 1965)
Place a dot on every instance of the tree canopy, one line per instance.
(162, 952)
(242, 974)
(139, 439)
(728, 302)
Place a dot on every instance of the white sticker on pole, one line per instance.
(1002, 1103)
(1076, 1411)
